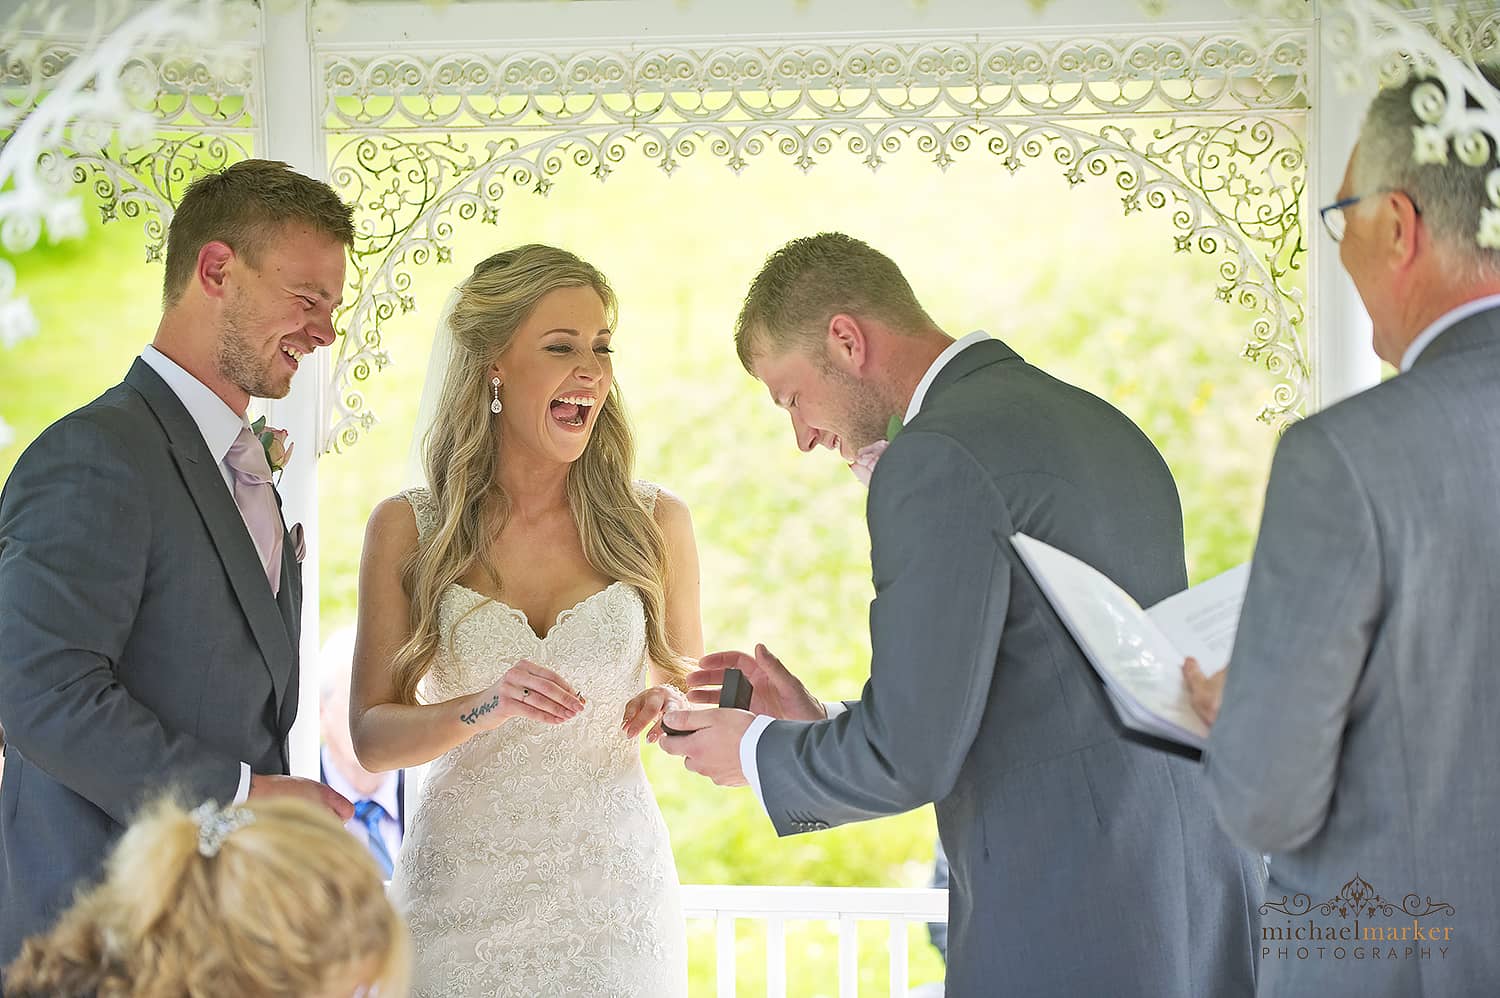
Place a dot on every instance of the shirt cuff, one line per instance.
(834, 708)
(748, 742)
(243, 793)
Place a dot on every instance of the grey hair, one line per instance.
(1450, 195)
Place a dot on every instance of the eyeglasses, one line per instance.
(1333, 215)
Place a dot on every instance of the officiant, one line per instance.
(1356, 742)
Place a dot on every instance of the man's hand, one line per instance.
(1204, 692)
(309, 790)
(712, 746)
(777, 692)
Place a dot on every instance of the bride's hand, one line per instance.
(646, 708)
(526, 690)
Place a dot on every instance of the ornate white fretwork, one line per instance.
(90, 104)
(1207, 126)
(121, 105)
(194, 116)
(1445, 50)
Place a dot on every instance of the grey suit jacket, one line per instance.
(1360, 729)
(1081, 863)
(140, 646)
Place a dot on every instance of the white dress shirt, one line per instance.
(1445, 322)
(751, 738)
(220, 425)
(387, 796)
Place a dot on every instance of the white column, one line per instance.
(1343, 359)
(290, 127)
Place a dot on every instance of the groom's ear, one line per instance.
(215, 260)
(847, 343)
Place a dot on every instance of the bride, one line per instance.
(511, 616)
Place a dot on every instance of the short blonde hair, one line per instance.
(243, 206)
(810, 280)
(289, 905)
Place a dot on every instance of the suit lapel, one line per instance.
(200, 473)
(289, 599)
(289, 603)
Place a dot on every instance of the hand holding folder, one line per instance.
(1138, 653)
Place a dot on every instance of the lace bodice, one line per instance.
(537, 862)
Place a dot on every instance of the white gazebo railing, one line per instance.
(844, 906)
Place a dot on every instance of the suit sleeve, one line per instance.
(938, 539)
(1304, 635)
(75, 537)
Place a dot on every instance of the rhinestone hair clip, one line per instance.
(215, 824)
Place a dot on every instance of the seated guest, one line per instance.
(266, 898)
(379, 798)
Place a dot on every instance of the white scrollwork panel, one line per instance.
(92, 105)
(1208, 128)
(198, 116)
(739, 83)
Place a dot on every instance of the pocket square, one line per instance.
(299, 543)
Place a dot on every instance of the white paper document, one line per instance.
(1139, 653)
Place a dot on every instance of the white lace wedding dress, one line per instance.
(537, 862)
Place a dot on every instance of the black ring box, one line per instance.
(736, 692)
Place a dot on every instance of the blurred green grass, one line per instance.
(1095, 297)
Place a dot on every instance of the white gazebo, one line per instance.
(425, 115)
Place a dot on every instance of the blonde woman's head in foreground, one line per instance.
(288, 904)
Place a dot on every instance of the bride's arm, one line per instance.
(684, 618)
(684, 623)
(389, 734)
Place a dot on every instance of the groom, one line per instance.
(1081, 863)
(149, 591)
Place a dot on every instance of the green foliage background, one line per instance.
(1094, 296)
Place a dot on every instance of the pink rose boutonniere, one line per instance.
(864, 462)
(278, 447)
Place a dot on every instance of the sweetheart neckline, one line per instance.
(521, 614)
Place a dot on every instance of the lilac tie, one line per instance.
(256, 497)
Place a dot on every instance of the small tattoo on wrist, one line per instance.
(473, 716)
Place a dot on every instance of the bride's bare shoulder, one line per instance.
(393, 526)
(672, 515)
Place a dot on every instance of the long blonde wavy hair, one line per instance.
(461, 452)
(291, 905)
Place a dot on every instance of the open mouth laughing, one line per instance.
(571, 412)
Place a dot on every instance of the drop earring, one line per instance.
(495, 404)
